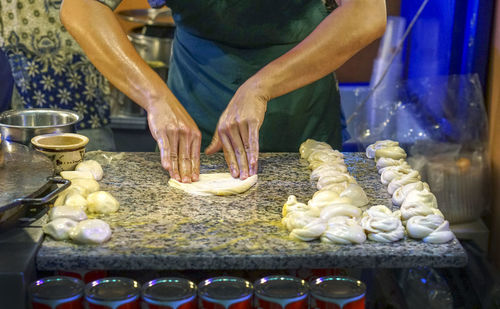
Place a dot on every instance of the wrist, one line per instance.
(260, 87)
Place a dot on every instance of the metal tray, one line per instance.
(24, 175)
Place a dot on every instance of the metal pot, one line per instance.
(154, 44)
(22, 125)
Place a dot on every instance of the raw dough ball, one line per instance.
(59, 228)
(76, 200)
(70, 175)
(215, 184)
(72, 189)
(93, 231)
(91, 166)
(72, 213)
(102, 202)
(90, 185)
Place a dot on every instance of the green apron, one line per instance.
(219, 44)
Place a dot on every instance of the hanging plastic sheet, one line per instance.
(442, 123)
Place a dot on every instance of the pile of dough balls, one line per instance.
(418, 206)
(68, 217)
(333, 214)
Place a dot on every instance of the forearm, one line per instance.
(337, 38)
(97, 31)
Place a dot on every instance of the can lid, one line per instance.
(335, 287)
(56, 287)
(112, 288)
(280, 287)
(169, 289)
(225, 288)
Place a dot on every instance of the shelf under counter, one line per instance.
(159, 228)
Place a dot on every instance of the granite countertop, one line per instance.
(159, 228)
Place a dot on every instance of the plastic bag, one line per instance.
(441, 109)
(442, 123)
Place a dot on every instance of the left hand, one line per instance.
(237, 131)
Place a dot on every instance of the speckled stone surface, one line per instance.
(159, 228)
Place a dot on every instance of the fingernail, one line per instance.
(186, 179)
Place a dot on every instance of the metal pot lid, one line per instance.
(23, 172)
(156, 17)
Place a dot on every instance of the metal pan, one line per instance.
(156, 17)
(24, 175)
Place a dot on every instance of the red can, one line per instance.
(113, 293)
(85, 275)
(225, 293)
(281, 292)
(333, 292)
(57, 292)
(169, 293)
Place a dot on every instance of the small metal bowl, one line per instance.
(22, 125)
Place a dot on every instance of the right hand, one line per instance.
(178, 138)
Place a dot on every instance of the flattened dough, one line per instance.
(215, 184)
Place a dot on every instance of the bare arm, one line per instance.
(348, 29)
(96, 29)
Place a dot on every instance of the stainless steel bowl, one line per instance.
(22, 125)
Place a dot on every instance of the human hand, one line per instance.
(178, 138)
(237, 131)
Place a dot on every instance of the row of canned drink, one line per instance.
(271, 292)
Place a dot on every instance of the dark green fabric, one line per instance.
(219, 44)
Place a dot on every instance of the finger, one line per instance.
(229, 155)
(239, 149)
(253, 148)
(173, 138)
(165, 155)
(215, 144)
(185, 157)
(195, 158)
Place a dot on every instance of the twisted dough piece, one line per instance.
(356, 194)
(394, 172)
(328, 180)
(370, 150)
(432, 229)
(298, 219)
(310, 231)
(382, 225)
(419, 203)
(310, 145)
(400, 194)
(399, 182)
(322, 168)
(343, 230)
(326, 172)
(344, 210)
(394, 152)
(385, 162)
(292, 205)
